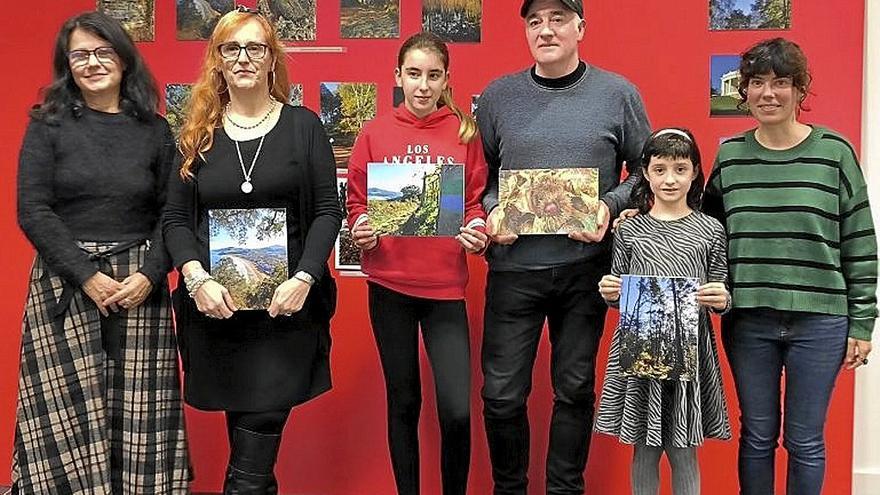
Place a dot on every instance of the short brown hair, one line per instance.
(780, 56)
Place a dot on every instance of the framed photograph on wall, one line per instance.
(453, 20)
(176, 98)
(296, 95)
(346, 255)
(724, 77)
(726, 15)
(138, 17)
(345, 107)
(369, 19)
(295, 20)
(196, 18)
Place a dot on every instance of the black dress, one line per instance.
(252, 362)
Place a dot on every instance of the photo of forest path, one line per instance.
(345, 107)
(196, 18)
(369, 19)
(248, 253)
(453, 20)
(415, 199)
(658, 328)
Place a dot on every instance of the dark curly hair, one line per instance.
(780, 56)
(668, 145)
(138, 95)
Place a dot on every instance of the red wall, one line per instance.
(336, 444)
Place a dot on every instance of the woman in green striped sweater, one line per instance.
(803, 268)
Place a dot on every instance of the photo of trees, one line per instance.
(347, 255)
(749, 14)
(407, 199)
(658, 328)
(248, 251)
(548, 200)
(196, 18)
(369, 19)
(344, 109)
(176, 98)
(295, 20)
(138, 17)
(296, 95)
(453, 20)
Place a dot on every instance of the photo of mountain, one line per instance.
(248, 253)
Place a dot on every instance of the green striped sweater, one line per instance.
(799, 227)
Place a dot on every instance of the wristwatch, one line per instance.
(305, 277)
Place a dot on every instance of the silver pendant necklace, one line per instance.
(246, 186)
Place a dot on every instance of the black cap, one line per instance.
(576, 6)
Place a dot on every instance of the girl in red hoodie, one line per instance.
(420, 281)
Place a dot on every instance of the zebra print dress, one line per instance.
(668, 413)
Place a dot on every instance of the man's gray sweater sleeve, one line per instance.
(633, 133)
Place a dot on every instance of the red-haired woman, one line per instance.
(242, 148)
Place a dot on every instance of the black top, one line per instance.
(560, 82)
(97, 177)
(277, 178)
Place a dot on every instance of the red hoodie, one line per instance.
(428, 267)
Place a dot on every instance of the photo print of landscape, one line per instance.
(176, 98)
(248, 250)
(548, 201)
(724, 77)
(369, 19)
(138, 17)
(295, 20)
(196, 18)
(406, 199)
(344, 109)
(296, 95)
(453, 20)
(658, 328)
(749, 14)
(347, 255)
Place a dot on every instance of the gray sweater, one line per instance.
(597, 121)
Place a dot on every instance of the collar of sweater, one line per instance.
(563, 82)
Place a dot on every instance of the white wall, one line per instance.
(866, 445)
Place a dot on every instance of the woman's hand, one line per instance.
(856, 353)
(628, 213)
(472, 240)
(135, 289)
(100, 287)
(364, 236)
(714, 295)
(493, 225)
(214, 300)
(289, 297)
(609, 288)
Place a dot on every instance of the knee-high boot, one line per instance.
(252, 464)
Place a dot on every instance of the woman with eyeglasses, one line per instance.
(803, 268)
(243, 151)
(99, 407)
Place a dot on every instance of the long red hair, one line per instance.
(210, 94)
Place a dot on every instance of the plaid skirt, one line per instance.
(89, 423)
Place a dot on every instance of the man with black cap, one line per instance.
(561, 113)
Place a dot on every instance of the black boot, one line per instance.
(252, 464)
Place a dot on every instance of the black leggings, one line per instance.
(267, 423)
(396, 318)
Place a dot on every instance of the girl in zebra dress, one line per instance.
(670, 238)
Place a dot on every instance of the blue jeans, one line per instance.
(810, 347)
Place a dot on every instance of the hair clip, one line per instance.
(246, 10)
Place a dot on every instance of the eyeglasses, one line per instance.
(232, 50)
(104, 55)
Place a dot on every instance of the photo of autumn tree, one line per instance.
(294, 20)
(196, 18)
(345, 107)
(369, 19)
(749, 14)
(453, 20)
(658, 328)
(138, 17)
(176, 98)
(548, 200)
(248, 251)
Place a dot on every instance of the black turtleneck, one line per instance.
(560, 82)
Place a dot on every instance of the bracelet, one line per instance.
(195, 281)
(303, 276)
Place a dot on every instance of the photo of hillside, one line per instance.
(405, 199)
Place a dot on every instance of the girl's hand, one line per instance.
(214, 300)
(609, 288)
(472, 240)
(364, 236)
(856, 353)
(135, 289)
(714, 295)
(493, 226)
(289, 297)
